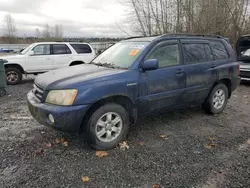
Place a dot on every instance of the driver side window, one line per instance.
(167, 55)
(43, 49)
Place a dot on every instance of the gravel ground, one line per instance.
(200, 151)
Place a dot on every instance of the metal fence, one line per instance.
(98, 46)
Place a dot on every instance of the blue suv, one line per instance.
(133, 78)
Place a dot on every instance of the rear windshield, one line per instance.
(121, 55)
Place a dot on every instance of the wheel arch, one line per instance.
(16, 66)
(122, 100)
(227, 83)
(76, 63)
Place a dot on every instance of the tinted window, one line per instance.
(61, 49)
(219, 50)
(167, 55)
(82, 48)
(43, 49)
(209, 52)
(194, 53)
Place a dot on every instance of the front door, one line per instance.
(162, 88)
(41, 60)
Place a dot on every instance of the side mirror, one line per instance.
(31, 53)
(150, 64)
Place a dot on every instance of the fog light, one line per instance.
(51, 118)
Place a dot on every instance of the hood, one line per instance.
(61, 78)
(9, 57)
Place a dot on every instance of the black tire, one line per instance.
(90, 134)
(208, 105)
(2, 92)
(15, 71)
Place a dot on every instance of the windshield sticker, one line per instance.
(134, 52)
(138, 46)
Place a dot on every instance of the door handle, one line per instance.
(213, 65)
(180, 71)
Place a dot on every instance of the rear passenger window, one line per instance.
(82, 48)
(219, 50)
(167, 55)
(209, 52)
(61, 49)
(194, 53)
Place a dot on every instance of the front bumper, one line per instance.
(66, 118)
(245, 74)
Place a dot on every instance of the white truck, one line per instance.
(42, 57)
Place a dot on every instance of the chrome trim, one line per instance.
(245, 79)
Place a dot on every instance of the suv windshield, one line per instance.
(120, 55)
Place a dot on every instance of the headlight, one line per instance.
(62, 97)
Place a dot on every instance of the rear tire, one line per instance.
(217, 100)
(13, 76)
(107, 127)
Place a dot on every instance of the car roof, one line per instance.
(60, 43)
(175, 36)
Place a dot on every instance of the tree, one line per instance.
(58, 31)
(38, 33)
(51, 32)
(230, 18)
(46, 32)
(9, 27)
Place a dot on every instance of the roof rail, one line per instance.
(181, 34)
(134, 37)
(140, 37)
(194, 35)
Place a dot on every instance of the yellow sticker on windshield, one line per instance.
(134, 52)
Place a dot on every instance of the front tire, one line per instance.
(107, 127)
(13, 76)
(217, 100)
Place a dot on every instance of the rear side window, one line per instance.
(219, 50)
(209, 52)
(60, 49)
(82, 48)
(194, 53)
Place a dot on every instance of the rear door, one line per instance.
(62, 56)
(200, 69)
(164, 87)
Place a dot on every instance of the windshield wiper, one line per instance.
(108, 65)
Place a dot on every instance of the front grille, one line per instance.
(38, 92)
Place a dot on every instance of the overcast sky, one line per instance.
(85, 18)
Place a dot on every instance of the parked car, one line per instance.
(46, 56)
(133, 78)
(243, 52)
(5, 50)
